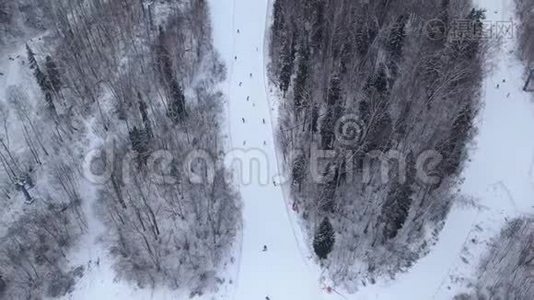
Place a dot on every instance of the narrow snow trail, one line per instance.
(280, 272)
(498, 177)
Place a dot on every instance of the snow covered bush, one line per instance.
(506, 271)
(33, 252)
(22, 18)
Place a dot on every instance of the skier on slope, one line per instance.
(243, 119)
(264, 248)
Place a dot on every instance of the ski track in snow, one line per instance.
(282, 272)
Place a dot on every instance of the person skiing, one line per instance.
(267, 298)
(243, 119)
(263, 120)
(250, 75)
(240, 83)
(264, 248)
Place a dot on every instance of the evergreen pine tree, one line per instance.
(396, 209)
(144, 116)
(452, 147)
(140, 143)
(288, 61)
(298, 170)
(318, 26)
(466, 44)
(302, 76)
(2, 285)
(327, 130)
(362, 38)
(396, 37)
(380, 130)
(314, 119)
(31, 57)
(176, 110)
(278, 20)
(364, 111)
(50, 102)
(53, 74)
(378, 82)
(332, 113)
(324, 239)
(42, 80)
